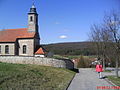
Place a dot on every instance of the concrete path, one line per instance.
(87, 79)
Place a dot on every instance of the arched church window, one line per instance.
(31, 18)
(0, 49)
(24, 49)
(6, 49)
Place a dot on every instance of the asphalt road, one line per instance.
(87, 79)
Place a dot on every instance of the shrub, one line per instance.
(83, 62)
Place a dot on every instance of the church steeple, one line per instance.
(33, 19)
(33, 9)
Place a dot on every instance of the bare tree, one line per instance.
(113, 25)
(95, 38)
(100, 37)
(105, 34)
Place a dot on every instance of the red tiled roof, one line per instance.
(18, 29)
(40, 51)
(10, 35)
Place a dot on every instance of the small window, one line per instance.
(24, 49)
(31, 18)
(0, 49)
(6, 49)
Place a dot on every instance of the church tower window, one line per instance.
(31, 18)
(6, 49)
(24, 49)
(0, 49)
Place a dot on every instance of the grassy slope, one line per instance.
(33, 77)
(114, 80)
(73, 56)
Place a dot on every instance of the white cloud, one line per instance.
(63, 37)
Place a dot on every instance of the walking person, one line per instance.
(99, 69)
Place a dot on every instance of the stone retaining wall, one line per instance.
(39, 61)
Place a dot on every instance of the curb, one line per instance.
(70, 82)
(110, 82)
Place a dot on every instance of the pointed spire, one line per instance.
(33, 4)
(33, 9)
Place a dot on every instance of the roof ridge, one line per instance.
(17, 29)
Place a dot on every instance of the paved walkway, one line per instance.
(87, 79)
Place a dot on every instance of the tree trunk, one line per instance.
(116, 69)
(104, 63)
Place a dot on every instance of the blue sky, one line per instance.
(59, 20)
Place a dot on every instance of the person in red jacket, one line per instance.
(99, 69)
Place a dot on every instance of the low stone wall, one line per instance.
(39, 61)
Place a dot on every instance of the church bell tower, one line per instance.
(33, 26)
(33, 20)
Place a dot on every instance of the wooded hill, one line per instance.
(70, 48)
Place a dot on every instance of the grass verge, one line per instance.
(71, 56)
(114, 79)
(33, 77)
(107, 71)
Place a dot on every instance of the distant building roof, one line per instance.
(10, 35)
(40, 51)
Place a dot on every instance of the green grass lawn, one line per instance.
(59, 57)
(114, 80)
(33, 77)
(107, 71)
(71, 56)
